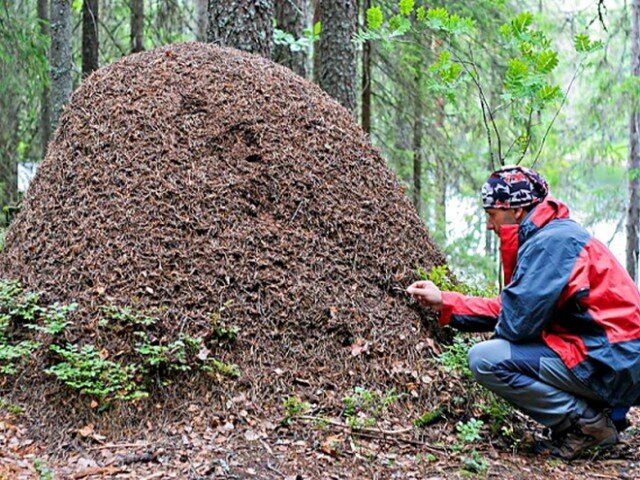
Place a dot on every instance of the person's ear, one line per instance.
(519, 214)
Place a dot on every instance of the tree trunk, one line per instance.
(202, 20)
(315, 51)
(337, 53)
(291, 17)
(90, 15)
(417, 155)
(45, 107)
(633, 215)
(366, 76)
(137, 25)
(243, 24)
(61, 60)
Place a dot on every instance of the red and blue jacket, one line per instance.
(565, 288)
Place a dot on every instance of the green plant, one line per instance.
(428, 418)
(294, 407)
(227, 369)
(10, 407)
(527, 86)
(454, 357)
(54, 318)
(474, 464)
(364, 407)
(125, 316)
(442, 277)
(469, 432)
(85, 370)
(220, 331)
(11, 355)
(309, 37)
(41, 467)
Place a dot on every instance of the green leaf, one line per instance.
(521, 23)
(405, 7)
(421, 14)
(583, 43)
(317, 28)
(374, 18)
(517, 72)
(546, 61)
(548, 93)
(399, 25)
(76, 5)
(437, 18)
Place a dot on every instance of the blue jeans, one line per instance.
(533, 378)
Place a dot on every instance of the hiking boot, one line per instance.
(547, 445)
(598, 431)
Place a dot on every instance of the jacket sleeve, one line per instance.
(529, 301)
(469, 314)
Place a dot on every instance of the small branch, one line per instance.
(378, 434)
(88, 472)
(119, 445)
(528, 131)
(564, 100)
(344, 425)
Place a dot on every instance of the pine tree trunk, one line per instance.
(60, 61)
(291, 17)
(633, 214)
(90, 15)
(366, 76)
(243, 24)
(337, 52)
(316, 46)
(202, 19)
(417, 155)
(45, 107)
(137, 25)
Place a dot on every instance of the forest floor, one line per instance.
(244, 447)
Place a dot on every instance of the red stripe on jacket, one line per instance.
(615, 310)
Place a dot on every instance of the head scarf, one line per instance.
(514, 187)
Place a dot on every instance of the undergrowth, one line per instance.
(144, 357)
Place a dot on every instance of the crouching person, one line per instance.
(566, 343)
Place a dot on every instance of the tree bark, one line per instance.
(417, 154)
(366, 76)
(137, 25)
(61, 60)
(90, 55)
(243, 24)
(633, 214)
(315, 52)
(337, 52)
(45, 107)
(202, 19)
(291, 17)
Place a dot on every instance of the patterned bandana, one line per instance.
(514, 187)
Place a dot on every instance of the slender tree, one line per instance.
(366, 77)
(60, 58)
(633, 214)
(243, 24)
(417, 146)
(90, 41)
(337, 52)
(137, 25)
(202, 20)
(45, 108)
(291, 17)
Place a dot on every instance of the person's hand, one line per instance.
(426, 293)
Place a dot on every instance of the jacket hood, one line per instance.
(513, 236)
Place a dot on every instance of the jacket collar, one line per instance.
(513, 237)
